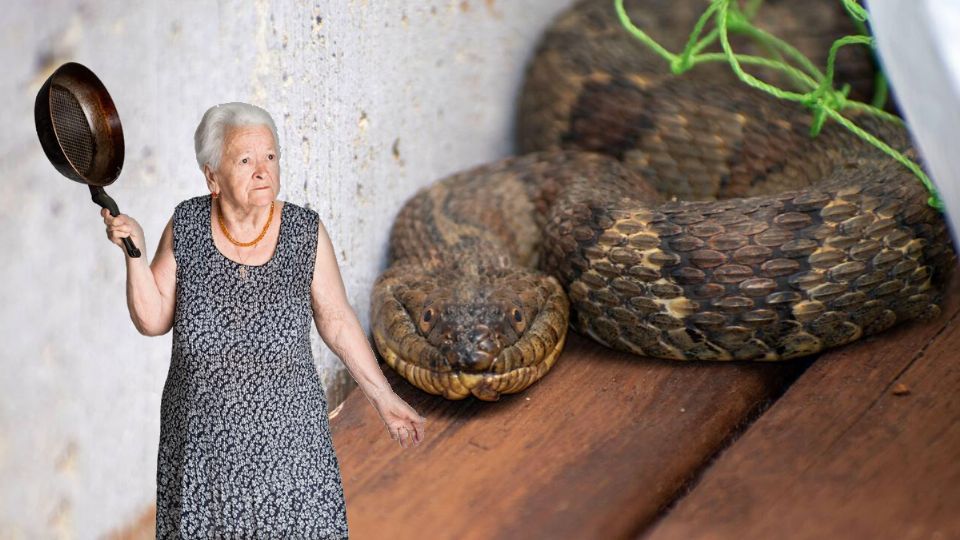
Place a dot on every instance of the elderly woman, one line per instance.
(245, 447)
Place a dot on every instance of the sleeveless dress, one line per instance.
(245, 446)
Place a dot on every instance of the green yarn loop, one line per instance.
(855, 10)
(823, 99)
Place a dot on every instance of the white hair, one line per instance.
(209, 137)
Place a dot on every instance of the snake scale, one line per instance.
(680, 217)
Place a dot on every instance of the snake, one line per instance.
(683, 217)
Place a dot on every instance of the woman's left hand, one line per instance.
(404, 424)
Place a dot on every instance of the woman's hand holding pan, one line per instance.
(120, 227)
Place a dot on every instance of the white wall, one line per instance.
(918, 44)
(372, 100)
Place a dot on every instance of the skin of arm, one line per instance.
(341, 331)
(337, 322)
(151, 289)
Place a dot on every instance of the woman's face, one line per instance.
(249, 170)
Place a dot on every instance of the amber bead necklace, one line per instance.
(223, 227)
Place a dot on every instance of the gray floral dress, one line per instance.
(245, 446)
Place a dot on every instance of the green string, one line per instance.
(817, 91)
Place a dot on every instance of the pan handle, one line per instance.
(100, 197)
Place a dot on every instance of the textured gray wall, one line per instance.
(372, 100)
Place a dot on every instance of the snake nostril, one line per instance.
(488, 345)
(483, 340)
(479, 349)
(478, 360)
(469, 359)
(475, 351)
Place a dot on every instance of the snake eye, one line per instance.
(518, 321)
(426, 320)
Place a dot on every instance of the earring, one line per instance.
(215, 194)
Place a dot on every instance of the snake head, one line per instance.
(457, 333)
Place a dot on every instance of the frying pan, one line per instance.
(80, 132)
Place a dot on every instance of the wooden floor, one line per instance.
(863, 442)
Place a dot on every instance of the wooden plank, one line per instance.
(595, 449)
(865, 444)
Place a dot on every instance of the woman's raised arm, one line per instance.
(151, 290)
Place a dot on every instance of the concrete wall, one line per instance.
(372, 101)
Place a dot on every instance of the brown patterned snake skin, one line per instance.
(682, 217)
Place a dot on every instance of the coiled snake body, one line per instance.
(682, 217)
